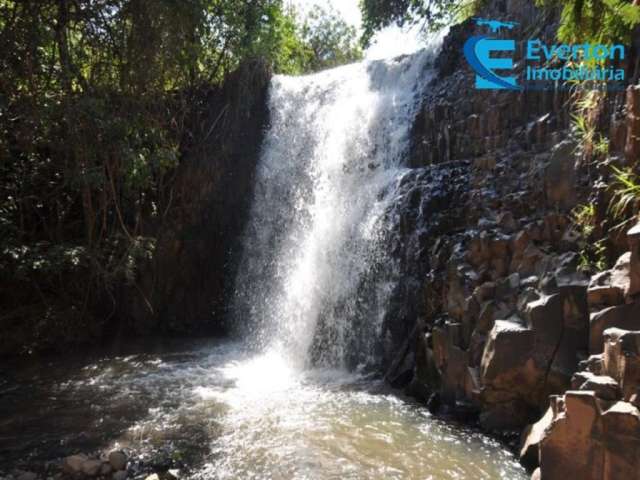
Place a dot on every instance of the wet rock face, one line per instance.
(507, 323)
(498, 246)
(507, 312)
(427, 203)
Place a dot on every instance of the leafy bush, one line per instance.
(625, 199)
(94, 102)
(596, 21)
(431, 14)
(592, 252)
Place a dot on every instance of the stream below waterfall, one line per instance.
(300, 397)
(224, 413)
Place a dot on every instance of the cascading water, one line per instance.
(314, 285)
(315, 275)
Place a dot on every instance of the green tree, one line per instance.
(597, 21)
(580, 20)
(432, 14)
(329, 39)
(93, 100)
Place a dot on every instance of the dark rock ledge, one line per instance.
(507, 330)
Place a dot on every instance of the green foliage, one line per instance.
(263, 29)
(625, 199)
(622, 209)
(601, 21)
(593, 258)
(583, 217)
(286, 47)
(329, 39)
(601, 147)
(295, 46)
(433, 14)
(94, 97)
(592, 253)
(587, 105)
(596, 21)
(593, 144)
(585, 131)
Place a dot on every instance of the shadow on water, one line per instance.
(132, 395)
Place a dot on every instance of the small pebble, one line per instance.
(118, 460)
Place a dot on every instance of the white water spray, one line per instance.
(315, 274)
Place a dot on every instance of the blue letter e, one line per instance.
(478, 52)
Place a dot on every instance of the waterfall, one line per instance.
(316, 273)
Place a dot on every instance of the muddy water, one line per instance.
(222, 413)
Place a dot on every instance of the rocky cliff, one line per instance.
(506, 317)
(185, 288)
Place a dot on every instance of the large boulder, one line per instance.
(621, 438)
(507, 416)
(608, 288)
(91, 468)
(625, 316)
(525, 360)
(560, 323)
(118, 460)
(451, 362)
(531, 438)
(568, 450)
(602, 386)
(509, 345)
(622, 359)
(586, 438)
(594, 431)
(508, 371)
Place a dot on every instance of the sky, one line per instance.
(390, 42)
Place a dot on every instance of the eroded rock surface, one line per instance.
(509, 326)
(585, 434)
